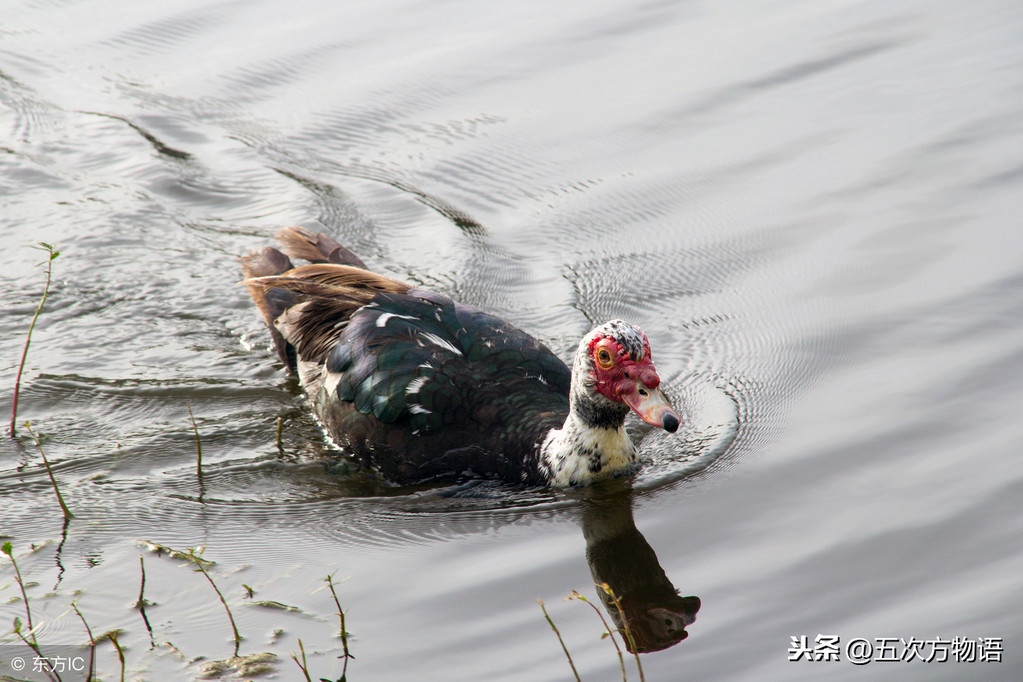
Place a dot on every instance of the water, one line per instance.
(811, 209)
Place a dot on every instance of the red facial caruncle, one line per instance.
(621, 378)
(616, 372)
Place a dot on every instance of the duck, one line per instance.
(419, 388)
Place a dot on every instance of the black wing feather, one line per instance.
(427, 387)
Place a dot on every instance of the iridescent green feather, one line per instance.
(458, 356)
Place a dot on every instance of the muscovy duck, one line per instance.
(420, 387)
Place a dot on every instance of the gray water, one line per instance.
(811, 208)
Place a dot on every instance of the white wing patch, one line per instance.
(438, 341)
(415, 385)
(384, 317)
(416, 408)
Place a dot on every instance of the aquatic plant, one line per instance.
(303, 665)
(141, 602)
(247, 666)
(113, 636)
(198, 444)
(554, 627)
(92, 642)
(607, 628)
(8, 549)
(342, 632)
(53, 253)
(198, 561)
(625, 632)
(60, 498)
(30, 640)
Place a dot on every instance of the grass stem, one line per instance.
(342, 632)
(92, 643)
(625, 627)
(60, 498)
(560, 640)
(9, 551)
(32, 644)
(610, 631)
(198, 444)
(113, 635)
(53, 253)
(202, 569)
(141, 603)
(302, 664)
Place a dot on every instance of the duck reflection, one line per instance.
(620, 556)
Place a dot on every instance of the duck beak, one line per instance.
(652, 407)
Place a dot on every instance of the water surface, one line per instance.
(811, 209)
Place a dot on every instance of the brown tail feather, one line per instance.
(271, 304)
(328, 279)
(307, 307)
(265, 263)
(323, 296)
(299, 242)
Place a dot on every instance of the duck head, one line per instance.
(613, 373)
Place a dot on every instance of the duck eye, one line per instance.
(604, 359)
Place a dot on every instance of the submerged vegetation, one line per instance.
(260, 662)
(237, 664)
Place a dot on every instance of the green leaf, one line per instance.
(7, 548)
(17, 625)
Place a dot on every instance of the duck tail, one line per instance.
(271, 302)
(275, 295)
(299, 242)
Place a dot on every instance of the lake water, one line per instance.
(812, 209)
